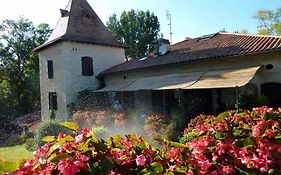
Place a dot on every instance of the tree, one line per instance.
(269, 21)
(137, 29)
(19, 72)
(242, 31)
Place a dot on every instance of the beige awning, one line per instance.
(171, 81)
(193, 80)
(225, 78)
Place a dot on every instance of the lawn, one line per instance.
(14, 153)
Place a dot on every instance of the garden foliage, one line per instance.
(234, 142)
(46, 128)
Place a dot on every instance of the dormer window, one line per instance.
(50, 69)
(87, 66)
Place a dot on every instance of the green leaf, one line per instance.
(278, 136)
(219, 136)
(8, 166)
(57, 158)
(53, 148)
(70, 125)
(271, 171)
(177, 145)
(189, 136)
(68, 138)
(116, 138)
(157, 167)
(237, 132)
(241, 170)
(48, 139)
(132, 137)
(107, 164)
(169, 173)
(265, 116)
(222, 116)
(247, 143)
(247, 127)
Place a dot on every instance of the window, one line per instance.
(50, 69)
(87, 66)
(53, 103)
(273, 93)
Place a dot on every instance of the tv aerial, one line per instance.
(169, 18)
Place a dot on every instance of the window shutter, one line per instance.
(87, 66)
(50, 69)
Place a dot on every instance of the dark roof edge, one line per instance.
(64, 38)
(192, 61)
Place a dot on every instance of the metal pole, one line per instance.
(169, 17)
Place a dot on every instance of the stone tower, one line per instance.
(79, 48)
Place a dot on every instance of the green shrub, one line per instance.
(46, 128)
(157, 128)
(249, 99)
(100, 131)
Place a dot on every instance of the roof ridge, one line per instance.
(244, 34)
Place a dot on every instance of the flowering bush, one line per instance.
(234, 142)
(240, 142)
(85, 154)
(119, 119)
(89, 118)
(156, 127)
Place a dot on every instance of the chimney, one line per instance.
(161, 46)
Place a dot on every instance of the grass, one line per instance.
(14, 153)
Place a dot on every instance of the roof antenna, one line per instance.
(169, 18)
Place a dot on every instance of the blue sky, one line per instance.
(190, 18)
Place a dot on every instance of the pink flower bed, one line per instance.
(235, 142)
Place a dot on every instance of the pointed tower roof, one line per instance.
(80, 23)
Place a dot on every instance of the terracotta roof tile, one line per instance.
(219, 46)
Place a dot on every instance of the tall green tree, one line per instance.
(19, 66)
(269, 21)
(137, 29)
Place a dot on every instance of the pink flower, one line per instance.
(228, 170)
(270, 134)
(85, 131)
(48, 170)
(173, 155)
(140, 160)
(42, 151)
(214, 172)
(202, 129)
(79, 138)
(67, 167)
(61, 136)
(112, 172)
(189, 172)
(256, 131)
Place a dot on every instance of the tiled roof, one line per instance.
(209, 47)
(80, 23)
